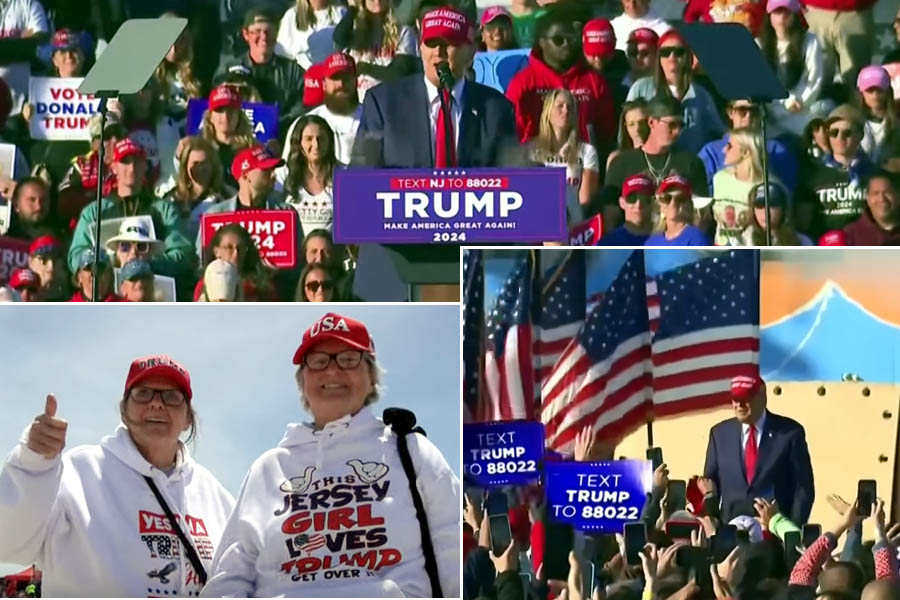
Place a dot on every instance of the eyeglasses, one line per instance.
(314, 285)
(144, 395)
(345, 360)
(743, 111)
(561, 40)
(676, 51)
(844, 134)
(673, 124)
(633, 52)
(638, 197)
(667, 197)
(139, 247)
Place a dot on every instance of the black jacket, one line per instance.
(279, 81)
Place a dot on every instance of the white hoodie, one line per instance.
(89, 520)
(328, 513)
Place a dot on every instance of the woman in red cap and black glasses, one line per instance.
(132, 516)
(329, 512)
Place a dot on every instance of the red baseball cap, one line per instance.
(127, 147)
(313, 92)
(65, 38)
(835, 237)
(598, 38)
(671, 34)
(338, 63)
(45, 244)
(643, 35)
(744, 387)
(674, 181)
(335, 327)
(254, 157)
(448, 24)
(159, 365)
(24, 278)
(224, 96)
(638, 183)
(494, 12)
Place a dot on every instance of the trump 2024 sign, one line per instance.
(458, 206)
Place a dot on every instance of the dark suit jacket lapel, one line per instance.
(416, 108)
(767, 444)
(470, 126)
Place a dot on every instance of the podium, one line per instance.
(413, 272)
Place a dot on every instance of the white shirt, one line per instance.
(315, 43)
(16, 17)
(316, 211)
(434, 104)
(745, 433)
(344, 128)
(623, 25)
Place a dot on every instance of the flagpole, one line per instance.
(650, 434)
(536, 297)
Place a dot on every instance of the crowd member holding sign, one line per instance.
(556, 61)
(198, 183)
(497, 30)
(344, 452)
(306, 31)
(227, 128)
(130, 199)
(736, 446)
(558, 145)
(68, 56)
(87, 519)
(399, 123)
(311, 165)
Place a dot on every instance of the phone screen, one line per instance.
(791, 541)
(678, 530)
(635, 540)
(676, 497)
(811, 532)
(501, 535)
(701, 572)
(866, 496)
(723, 542)
(496, 504)
(654, 455)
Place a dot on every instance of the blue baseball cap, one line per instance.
(136, 268)
(778, 195)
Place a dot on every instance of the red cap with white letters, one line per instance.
(744, 387)
(335, 327)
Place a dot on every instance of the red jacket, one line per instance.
(528, 87)
(866, 232)
(841, 5)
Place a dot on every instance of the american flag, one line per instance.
(473, 320)
(308, 543)
(707, 330)
(562, 312)
(603, 378)
(509, 367)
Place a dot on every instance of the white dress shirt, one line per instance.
(745, 433)
(456, 106)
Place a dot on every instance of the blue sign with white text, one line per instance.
(502, 452)
(263, 117)
(597, 496)
(455, 206)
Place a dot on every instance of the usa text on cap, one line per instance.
(744, 387)
(162, 366)
(338, 63)
(335, 327)
(254, 157)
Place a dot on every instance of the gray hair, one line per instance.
(375, 374)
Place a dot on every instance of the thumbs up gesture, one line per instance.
(47, 435)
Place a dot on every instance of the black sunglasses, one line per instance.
(844, 134)
(677, 51)
(561, 40)
(314, 286)
(139, 247)
(638, 197)
(633, 52)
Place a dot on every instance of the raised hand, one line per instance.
(766, 510)
(584, 444)
(661, 477)
(47, 435)
(706, 485)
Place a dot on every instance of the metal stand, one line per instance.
(765, 165)
(95, 279)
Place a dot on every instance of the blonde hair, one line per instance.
(306, 16)
(545, 144)
(363, 31)
(751, 141)
(241, 138)
(183, 184)
(685, 214)
(183, 68)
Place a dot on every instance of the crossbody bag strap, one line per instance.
(185, 543)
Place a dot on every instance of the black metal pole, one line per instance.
(765, 165)
(95, 279)
(649, 434)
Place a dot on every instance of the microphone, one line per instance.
(445, 76)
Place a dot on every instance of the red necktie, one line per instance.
(750, 454)
(440, 149)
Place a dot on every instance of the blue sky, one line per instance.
(239, 357)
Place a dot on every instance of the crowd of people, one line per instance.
(737, 530)
(357, 86)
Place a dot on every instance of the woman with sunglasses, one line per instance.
(317, 284)
(676, 215)
(795, 55)
(674, 78)
(104, 520)
(233, 244)
(329, 512)
(779, 218)
(134, 240)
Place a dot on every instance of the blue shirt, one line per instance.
(622, 237)
(690, 236)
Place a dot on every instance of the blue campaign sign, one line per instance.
(597, 496)
(458, 206)
(502, 452)
(264, 118)
(496, 69)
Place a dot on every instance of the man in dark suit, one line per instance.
(398, 127)
(759, 455)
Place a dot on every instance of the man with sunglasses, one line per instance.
(742, 114)
(636, 203)
(641, 53)
(556, 61)
(834, 194)
(657, 158)
(130, 199)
